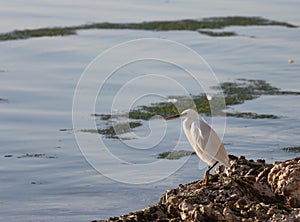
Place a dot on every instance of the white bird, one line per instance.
(204, 140)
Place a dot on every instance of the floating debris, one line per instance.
(172, 100)
(290, 61)
(209, 96)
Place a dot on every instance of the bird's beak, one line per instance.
(172, 117)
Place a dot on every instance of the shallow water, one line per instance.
(39, 76)
(16, 14)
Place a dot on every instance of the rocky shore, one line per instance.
(246, 191)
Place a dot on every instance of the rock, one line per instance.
(246, 191)
(284, 178)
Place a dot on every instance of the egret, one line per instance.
(204, 140)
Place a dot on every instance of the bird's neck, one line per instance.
(188, 122)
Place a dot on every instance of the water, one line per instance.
(39, 76)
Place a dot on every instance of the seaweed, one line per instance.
(175, 154)
(217, 34)
(294, 149)
(250, 115)
(187, 24)
(35, 33)
(234, 93)
(113, 131)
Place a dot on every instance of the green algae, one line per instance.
(113, 131)
(244, 89)
(35, 33)
(175, 154)
(190, 24)
(294, 149)
(251, 115)
(235, 93)
(217, 34)
(187, 24)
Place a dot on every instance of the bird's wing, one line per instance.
(209, 143)
(196, 135)
(199, 143)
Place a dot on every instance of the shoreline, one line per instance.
(246, 191)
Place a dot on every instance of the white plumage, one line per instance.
(204, 140)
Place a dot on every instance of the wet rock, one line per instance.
(246, 191)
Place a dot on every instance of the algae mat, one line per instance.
(235, 93)
(201, 26)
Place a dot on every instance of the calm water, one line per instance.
(39, 77)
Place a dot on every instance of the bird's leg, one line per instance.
(206, 177)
